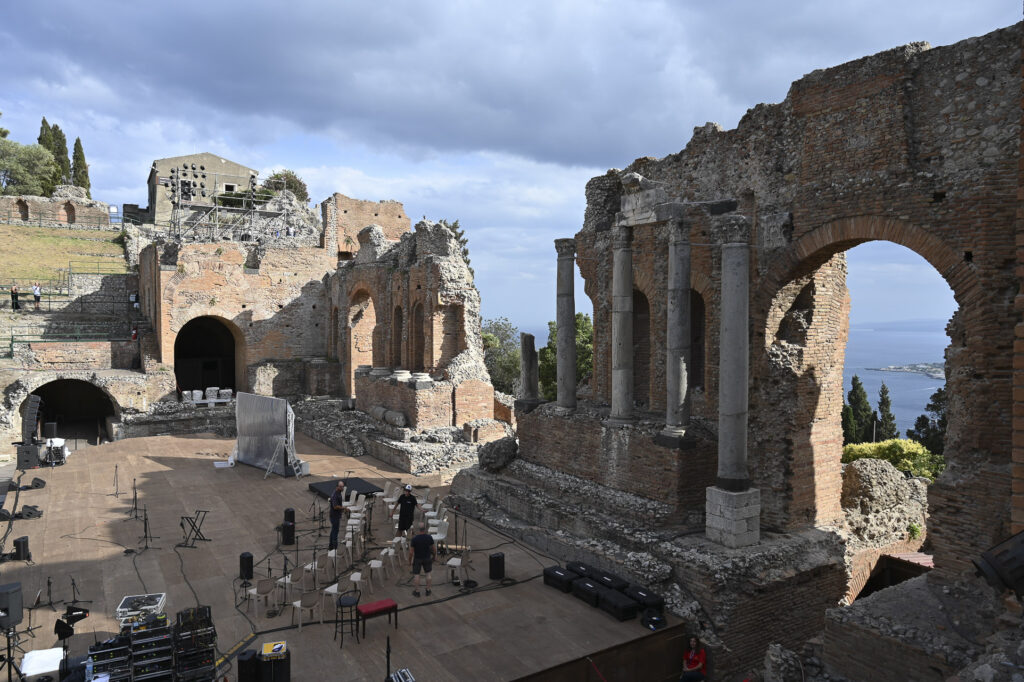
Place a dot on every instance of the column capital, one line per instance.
(566, 248)
(622, 237)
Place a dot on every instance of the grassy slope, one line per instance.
(37, 252)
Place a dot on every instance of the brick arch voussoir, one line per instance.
(814, 248)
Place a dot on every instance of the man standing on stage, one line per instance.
(405, 507)
(336, 500)
(422, 553)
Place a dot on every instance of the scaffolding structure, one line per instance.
(203, 211)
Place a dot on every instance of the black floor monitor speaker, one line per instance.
(289, 514)
(21, 552)
(248, 666)
(10, 605)
(49, 429)
(277, 669)
(497, 566)
(288, 533)
(5, 515)
(245, 565)
(38, 483)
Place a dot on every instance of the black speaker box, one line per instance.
(581, 569)
(587, 590)
(559, 578)
(497, 566)
(245, 565)
(38, 483)
(289, 515)
(28, 456)
(287, 533)
(49, 429)
(610, 580)
(248, 666)
(21, 552)
(30, 511)
(10, 605)
(645, 597)
(5, 515)
(29, 421)
(618, 604)
(277, 669)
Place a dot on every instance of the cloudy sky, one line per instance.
(492, 113)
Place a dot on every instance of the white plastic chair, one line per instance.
(264, 589)
(442, 533)
(309, 601)
(357, 581)
(459, 567)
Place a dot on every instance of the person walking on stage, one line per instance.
(337, 507)
(422, 553)
(405, 508)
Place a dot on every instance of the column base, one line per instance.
(675, 438)
(527, 405)
(733, 519)
(619, 422)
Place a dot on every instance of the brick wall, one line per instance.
(473, 400)
(29, 210)
(858, 651)
(86, 355)
(1017, 503)
(864, 561)
(346, 217)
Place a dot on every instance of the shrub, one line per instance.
(914, 530)
(906, 455)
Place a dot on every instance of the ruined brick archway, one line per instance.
(80, 409)
(66, 213)
(22, 207)
(805, 362)
(362, 331)
(209, 351)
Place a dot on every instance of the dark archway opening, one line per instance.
(22, 209)
(204, 355)
(416, 339)
(78, 408)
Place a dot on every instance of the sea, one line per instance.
(882, 344)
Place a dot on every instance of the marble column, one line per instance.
(622, 326)
(733, 508)
(529, 369)
(677, 361)
(566, 321)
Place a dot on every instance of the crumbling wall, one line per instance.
(68, 207)
(344, 217)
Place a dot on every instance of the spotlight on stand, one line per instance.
(1002, 566)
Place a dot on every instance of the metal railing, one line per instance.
(83, 267)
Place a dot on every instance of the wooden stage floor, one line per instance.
(490, 633)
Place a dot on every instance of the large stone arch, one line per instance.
(806, 366)
(211, 363)
(18, 393)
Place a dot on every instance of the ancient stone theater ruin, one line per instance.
(702, 457)
(707, 453)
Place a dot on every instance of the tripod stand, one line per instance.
(134, 511)
(117, 491)
(74, 594)
(8, 660)
(49, 597)
(146, 534)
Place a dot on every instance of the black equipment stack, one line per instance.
(112, 656)
(152, 647)
(195, 642)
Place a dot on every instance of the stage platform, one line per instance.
(496, 632)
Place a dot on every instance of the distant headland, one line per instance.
(935, 370)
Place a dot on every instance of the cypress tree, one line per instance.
(80, 169)
(886, 420)
(45, 140)
(849, 425)
(858, 401)
(60, 156)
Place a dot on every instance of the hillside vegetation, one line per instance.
(36, 253)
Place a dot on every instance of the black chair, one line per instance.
(345, 612)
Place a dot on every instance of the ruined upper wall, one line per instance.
(344, 217)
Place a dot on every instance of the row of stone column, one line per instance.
(733, 508)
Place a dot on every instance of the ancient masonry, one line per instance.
(707, 457)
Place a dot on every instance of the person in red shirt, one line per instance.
(695, 665)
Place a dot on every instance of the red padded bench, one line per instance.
(377, 608)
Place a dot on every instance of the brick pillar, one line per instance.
(566, 320)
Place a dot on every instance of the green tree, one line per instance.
(3, 131)
(887, 428)
(289, 180)
(23, 168)
(501, 353)
(930, 429)
(849, 425)
(906, 455)
(45, 140)
(460, 235)
(79, 168)
(62, 175)
(857, 399)
(547, 357)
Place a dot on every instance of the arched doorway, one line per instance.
(362, 324)
(416, 339)
(205, 355)
(66, 214)
(641, 350)
(396, 337)
(78, 408)
(22, 206)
